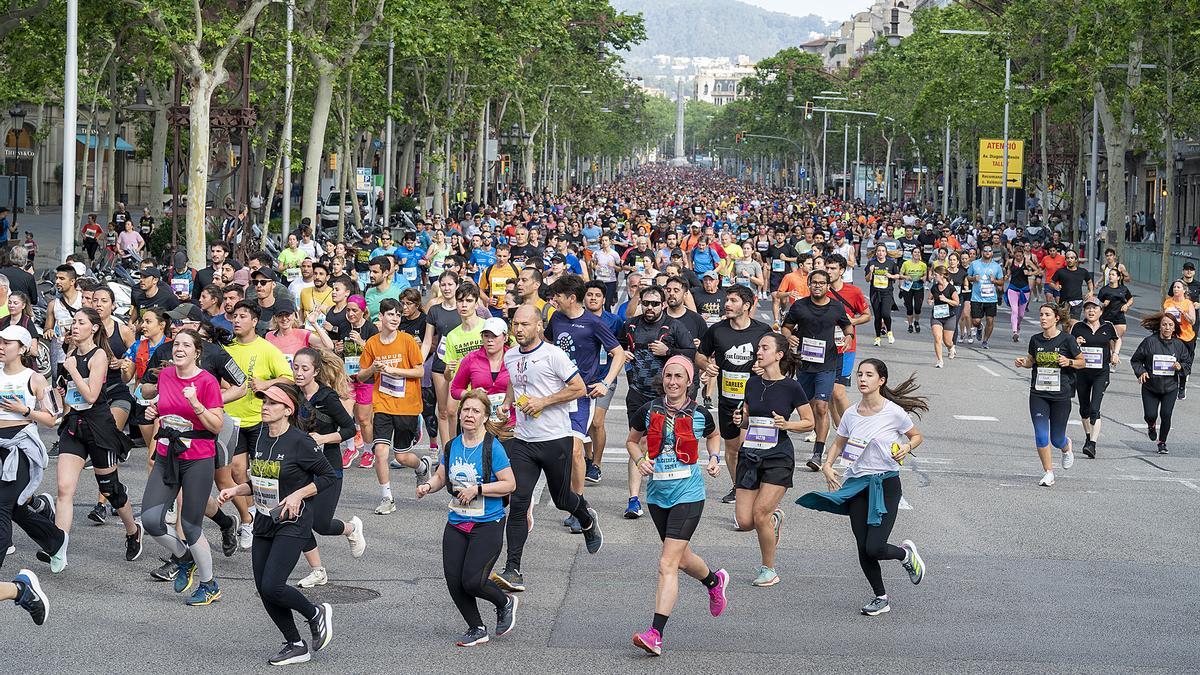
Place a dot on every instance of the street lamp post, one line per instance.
(70, 115)
(17, 113)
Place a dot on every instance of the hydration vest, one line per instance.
(686, 443)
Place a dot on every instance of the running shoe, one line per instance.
(1089, 449)
(814, 462)
(87, 466)
(386, 505)
(938, 364)
(878, 342)
(1016, 337)
(979, 333)
(170, 517)
(913, 562)
(1047, 479)
(876, 607)
(1152, 431)
(651, 641)
(509, 580)
(395, 464)
(730, 498)
(634, 510)
(11, 550)
(98, 514)
(291, 653)
(1162, 448)
(592, 475)
(777, 519)
(910, 328)
(185, 575)
(984, 345)
(30, 596)
(716, 594)
(53, 452)
(229, 538)
(506, 616)
(1182, 393)
(367, 461)
(473, 636)
(573, 523)
(133, 543)
(321, 626)
(970, 337)
(166, 571)
(917, 327)
(348, 457)
(245, 536)
(891, 338)
(58, 561)
(592, 536)
(1068, 458)
(429, 464)
(766, 577)
(43, 504)
(358, 543)
(953, 352)
(317, 577)
(205, 594)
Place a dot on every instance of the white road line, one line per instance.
(987, 370)
(976, 418)
(1075, 423)
(1135, 425)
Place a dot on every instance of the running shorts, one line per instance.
(770, 470)
(676, 522)
(982, 309)
(818, 386)
(398, 432)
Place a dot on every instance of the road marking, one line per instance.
(1075, 423)
(987, 370)
(1135, 425)
(976, 418)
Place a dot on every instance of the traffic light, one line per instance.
(739, 137)
(808, 110)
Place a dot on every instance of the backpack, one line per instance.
(487, 466)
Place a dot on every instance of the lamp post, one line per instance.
(70, 115)
(17, 113)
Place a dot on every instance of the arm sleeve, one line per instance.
(342, 418)
(1138, 360)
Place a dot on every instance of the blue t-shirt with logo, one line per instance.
(583, 339)
(410, 263)
(463, 469)
(614, 323)
(662, 490)
(993, 272)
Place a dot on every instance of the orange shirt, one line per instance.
(394, 395)
(1051, 264)
(1187, 332)
(794, 282)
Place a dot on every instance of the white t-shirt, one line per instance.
(847, 252)
(544, 371)
(869, 439)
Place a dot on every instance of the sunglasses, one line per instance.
(261, 282)
(651, 303)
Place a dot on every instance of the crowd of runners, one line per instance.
(747, 329)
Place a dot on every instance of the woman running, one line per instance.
(1178, 305)
(483, 369)
(673, 425)
(874, 437)
(435, 257)
(357, 330)
(443, 317)
(1054, 357)
(477, 466)
(190, 414)
(286, 471)
(1116, 300)
(912, 289)
(461, 341)
(290, 339)
(1020, 270)
(134, 366)
(943, 295)
(1161, 362)
(88, 431)
(957, 272)
(767, 460)
(321, 377)
(881, 271)
(1100, 344)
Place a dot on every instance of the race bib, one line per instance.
(1048, 380)
(941, 311)
(291, 274)
(1093, 357)
(179, 424)
(352, 365)
(812, 350)
(410, 273)
(1163, 364)
(1074, 303)
(880, 280)
(906, 285)
(777, 265)
(987, 291)
(854, 449)
(839, 337)
(762, 434)
(75, 399)
(733, 385)
(472, 509)
(389, 385)
(179, 286)
(499, 288)
(496, 400)
(674, 474)
(265, 491)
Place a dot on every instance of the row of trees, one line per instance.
(549, 69)
(1135, 60)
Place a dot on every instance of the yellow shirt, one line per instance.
(310, 299)
(260, 359)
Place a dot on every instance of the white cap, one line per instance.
(495, 326)
(80, 268)
(17, 334)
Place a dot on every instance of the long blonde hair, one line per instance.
(329, 370)
(500, 430)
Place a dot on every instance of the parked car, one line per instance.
(329, 207)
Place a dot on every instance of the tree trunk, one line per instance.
(203, 86)
(481, 152)
(1167, 228)
(158, 151)
(1045, 159)
(110, 153)
(266, 225)
(316, 141)
(406, 163)
(1078, 186)
(35, 177)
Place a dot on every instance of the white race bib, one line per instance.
(777, 266)
(471, 509)
(941, 311)
(1048, 380)
(854, 449)
(1163, 364)
(675, 474)
(410, 273)
(812, 350)
(987, 291)
(392, 386)
(179, 424)
(179, 286)
(265, 491)
(1093, 357)
(733, 385)
(496, 400)
(762, 434)
(291, 274)
(75, 399)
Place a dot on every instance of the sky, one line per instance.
(830, 10)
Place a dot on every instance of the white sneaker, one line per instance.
(938, 364)
(245, 536)
(171, 514)
(953, 352)
(891, 338)
(1047, 480)
(317, 577)
(385, 507)
(1068, 459)
(358, 543)
(11, 550)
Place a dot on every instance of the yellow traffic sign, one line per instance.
(991, 162)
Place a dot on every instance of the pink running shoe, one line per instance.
(651, 641)
(348, 457)
(716, 594)
(367, 461)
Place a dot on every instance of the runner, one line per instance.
(286, 472)
(913, 273)
(943, 296)
(1054, 357)
(350, 333)
(481, 479)
(483, 369)
(874, 438)
(984, 275)
(443, 317)
(1160, 362)
(593, 301)
(726, 356)
(1100, 344)
(392, 361)
(859, 312)
(543, 383)
(465, 338)
(495, 280)
(190, 414)
(881, 271)
(1020, 270)
(1180, 306)
(1117, 299)
(322, 380)
(768, 459)
(1073, 283)
(673, 425)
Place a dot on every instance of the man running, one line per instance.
(985, 274)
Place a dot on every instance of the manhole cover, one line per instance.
(339, 595)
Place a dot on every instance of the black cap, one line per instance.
(1189, 265)
(265, 273)
(152, 272)
(187, 311)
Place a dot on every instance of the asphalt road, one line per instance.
(1095, 574)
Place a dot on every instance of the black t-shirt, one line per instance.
(694, 323)
(146, 226)
(815, 326)
(959, 279)
(939, 297)
(213, 358)
(764, 399)
(163, 298)
(520, 254)
(734, 351)
(293, 459)
(20, 280)
(709, 305)
(414, 327)
(338, 325)
(1095, 345)
(877, 274)
(775, 253)
(1113, 300)
(1074, 283)
(1048, 379)
(343, 329)
(329, 416)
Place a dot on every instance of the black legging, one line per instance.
(529, 459)
(913, 300)
(1158, 407)
(467, 561)
(1191, 347)
(610, 294)
(40, 527)
(881, 310)
(323, 504)
(1090, 386)
(429, 411)
(872, 539)
(273, 559)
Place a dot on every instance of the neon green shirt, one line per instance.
(260, 359)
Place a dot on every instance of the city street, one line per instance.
(1078, 577)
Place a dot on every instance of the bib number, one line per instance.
(1163, 365)
(1048, 380)
(674, 474)
(854, 449)
(392, 386)
(761, 434)
(941, 311)
(472, 509)
(812, 350)
(179, 286)
(880, 280)
(352, 365)
(776, 265)
(987, 291)
(291, 274)
(1093, 357)
(906, 285)
(75, 399)
(733, 385)
(496, 400)
(265, 491)
(410, 273)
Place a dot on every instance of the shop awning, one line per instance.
(122, 144)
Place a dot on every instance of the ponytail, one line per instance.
(903, 394)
